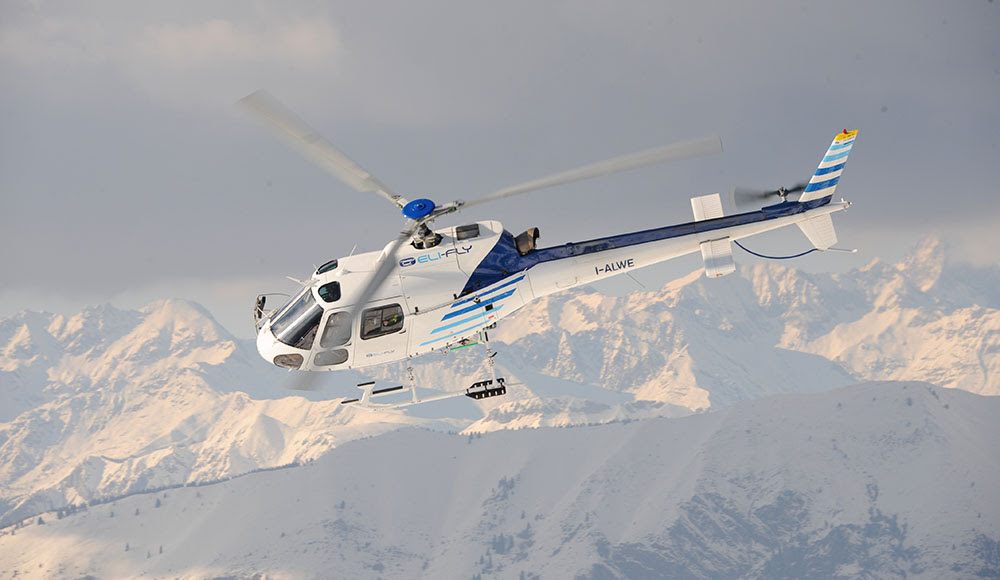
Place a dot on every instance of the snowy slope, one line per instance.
(108, 403)
(876, 480)
(923, 318)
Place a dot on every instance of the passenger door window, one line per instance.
(381, 321)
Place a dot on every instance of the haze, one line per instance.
(126, 175)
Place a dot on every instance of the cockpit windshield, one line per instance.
(296, 324)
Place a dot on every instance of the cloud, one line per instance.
(51, 41)
(216, 61)
(216, 43)
(196, 61)
(206, 61)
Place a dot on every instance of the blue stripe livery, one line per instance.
(476, 319)
(840, 155)
(822, 184)
(830, 169)
(490, 291)
(463, 331)
(463, 321)
(479, 318)
(480, 305)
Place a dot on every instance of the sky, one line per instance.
(127, 175)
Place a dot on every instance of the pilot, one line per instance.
(392, 320)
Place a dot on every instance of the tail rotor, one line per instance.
(748, 198)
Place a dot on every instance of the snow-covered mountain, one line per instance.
(111, 402)
(871, 481)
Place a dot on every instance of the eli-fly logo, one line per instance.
(433, 257)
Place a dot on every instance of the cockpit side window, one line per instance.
(329, 292)
(296, 326)
(381, 321)
(337, 331)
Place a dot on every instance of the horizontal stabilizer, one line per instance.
(718, 256)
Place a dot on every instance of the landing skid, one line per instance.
(481, 390)
(491, 387)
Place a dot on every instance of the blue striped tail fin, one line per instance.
(824, 181)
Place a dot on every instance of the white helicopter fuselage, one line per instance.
(443, 296)
(430, 290)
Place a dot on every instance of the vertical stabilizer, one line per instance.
(824, 181)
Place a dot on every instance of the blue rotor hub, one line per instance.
(418, 208)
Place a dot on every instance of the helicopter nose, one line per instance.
(272, 351)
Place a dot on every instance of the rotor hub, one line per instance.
(418, 208)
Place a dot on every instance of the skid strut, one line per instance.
(413, 382)
(484, 337)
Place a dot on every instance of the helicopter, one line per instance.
(443, 289)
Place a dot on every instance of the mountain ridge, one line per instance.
(109, 401)
(878, 479)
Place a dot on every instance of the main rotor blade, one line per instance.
(675, 152)
(281, 121)
(384, 267)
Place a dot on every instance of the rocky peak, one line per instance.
(924, 263)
